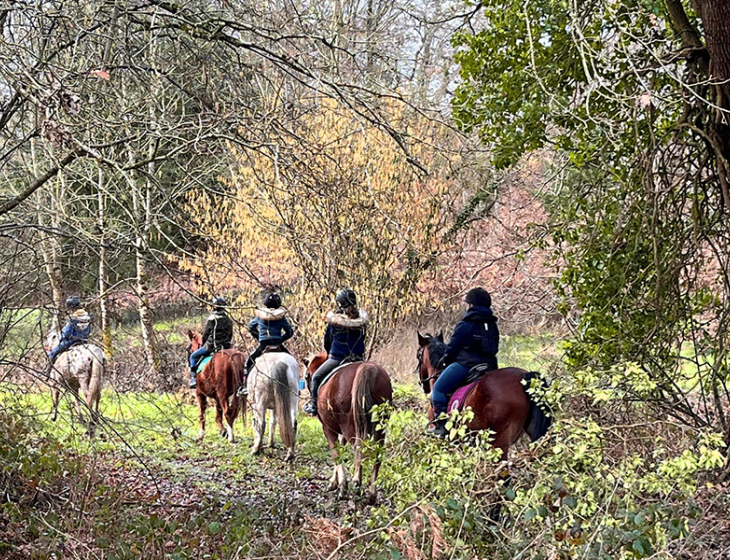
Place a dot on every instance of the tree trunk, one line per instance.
(106, 334)
(715, 15)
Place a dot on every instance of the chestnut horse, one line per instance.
(344, 404)
(499, 401)
(220, 379)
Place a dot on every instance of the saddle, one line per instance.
(275, 348)
(346, 362)
(458, 397)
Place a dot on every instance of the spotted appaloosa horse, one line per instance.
(499, 401)
(273, 384)
(79, 367)
(220, 379)
(344, 404)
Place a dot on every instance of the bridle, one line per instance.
(424, 381)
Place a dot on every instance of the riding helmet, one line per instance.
(346, 298)
(219, 302)
(478, 297)
(73, 303)
(272, 300)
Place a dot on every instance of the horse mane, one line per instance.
(436, 349)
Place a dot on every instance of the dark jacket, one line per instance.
(218, 332)
(77, 327)
(475, 340)
(270, 326)
(345, 337)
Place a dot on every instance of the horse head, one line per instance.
(52, 339)
(312, 364)
(431, 351)
(196, 341)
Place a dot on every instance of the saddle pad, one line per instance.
(204, 362)
(456, 402)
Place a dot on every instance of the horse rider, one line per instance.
(344, 341)
(269, 328)
(475, 341)
(76, 330)
(217, 336)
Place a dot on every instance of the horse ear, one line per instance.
(441, 336)
(191, 334)
(306, 362)
(422, 340)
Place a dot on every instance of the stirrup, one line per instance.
(242, 390)
(310, 408)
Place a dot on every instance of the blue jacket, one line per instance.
(77, 328)
(344, 336)
(270, 326)
(475, 340)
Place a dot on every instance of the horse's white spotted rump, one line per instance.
(80, 367)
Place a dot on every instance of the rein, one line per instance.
(424, 381)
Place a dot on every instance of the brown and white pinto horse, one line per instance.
(344, 404)
(499, 401)
(219, 380)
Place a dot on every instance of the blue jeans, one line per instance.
(62, 347)
(197, 356)
(448, 382)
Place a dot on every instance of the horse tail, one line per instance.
(362, 400)
(539, 418)
(96, 380)
(239, 368)
(282, 403)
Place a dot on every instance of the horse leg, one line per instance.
(219, 417)
(225, 412)
(202, 404)
(372, 492)
(272, 428)
(259, 424)
(339, 476)
(230, 416)
(55, 396)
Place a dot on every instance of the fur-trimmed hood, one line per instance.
(268, 314)
(342, 320)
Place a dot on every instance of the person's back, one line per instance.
(475, 341)
(269, 327)
(217, 336)
(344, 339)
(76, 330)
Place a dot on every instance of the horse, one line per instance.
(80, 367)
(220, 379)
(273, 384)
(499, 401)
(344, 405)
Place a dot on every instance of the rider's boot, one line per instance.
(243, 389)
(311, 407)
(438, 428)
(193, 381)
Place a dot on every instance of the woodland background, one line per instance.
(571, 157)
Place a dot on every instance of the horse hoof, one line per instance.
(372, 498)
(289, 457)
(255, 451)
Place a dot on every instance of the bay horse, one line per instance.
(80, 367)
(220, 379)
(499, 401)
(344, 404)
(273, 384)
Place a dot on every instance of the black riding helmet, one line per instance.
(346, 298)
(478, 297)
(272, 300)
(219, 302)
(73, 303)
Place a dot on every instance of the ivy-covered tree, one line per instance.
(634, 98)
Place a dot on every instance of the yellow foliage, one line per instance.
(333, 204)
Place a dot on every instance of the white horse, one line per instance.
(273, 384)
(82, 366)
